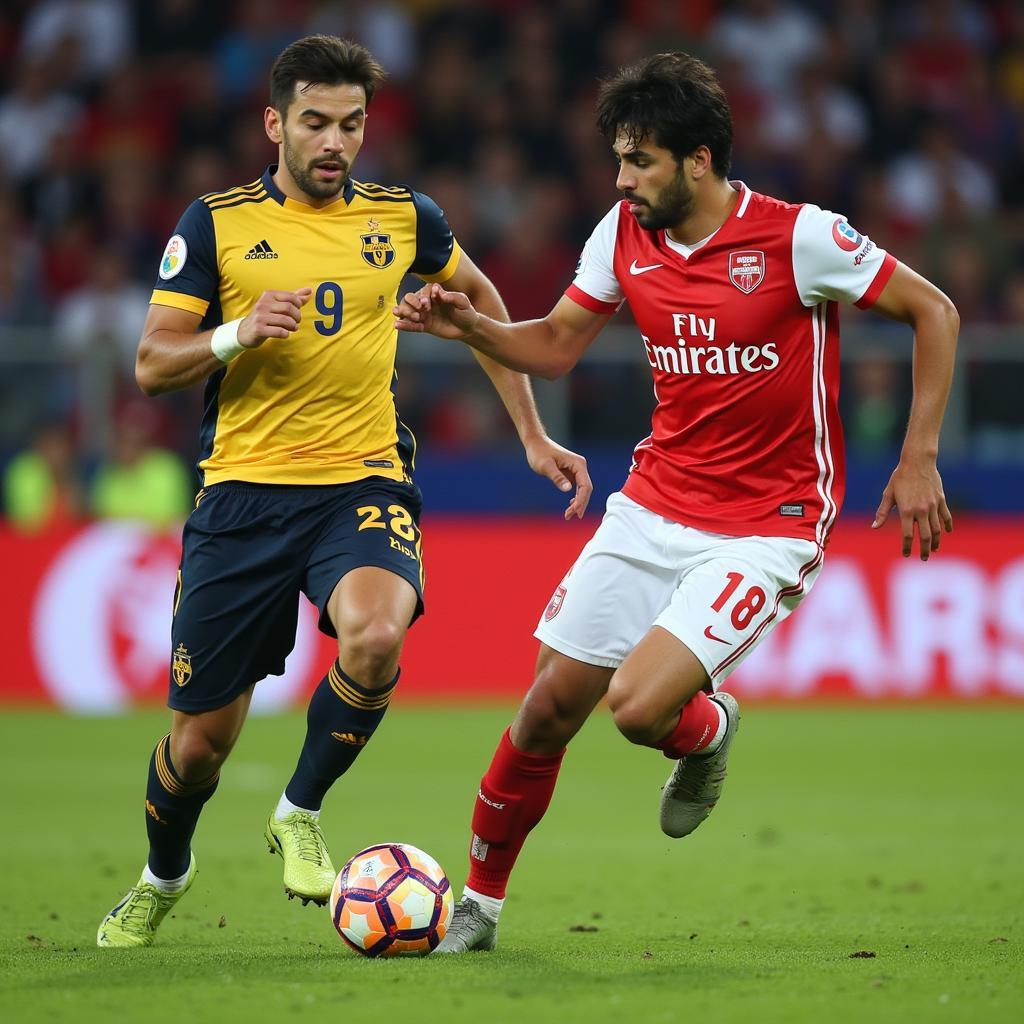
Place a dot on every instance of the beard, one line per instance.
(674, 203)
(302, 174)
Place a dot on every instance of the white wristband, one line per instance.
(224, 342)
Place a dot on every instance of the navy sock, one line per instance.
(172, 810)
(341, 719)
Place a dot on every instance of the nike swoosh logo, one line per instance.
(711, 636)
(634, 269)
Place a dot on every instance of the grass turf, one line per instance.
(894, 832)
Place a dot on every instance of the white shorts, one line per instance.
(719, 595)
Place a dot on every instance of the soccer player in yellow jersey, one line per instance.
(279, 294)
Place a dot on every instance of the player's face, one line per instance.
(654, 183)
(320, 135)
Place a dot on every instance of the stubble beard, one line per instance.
(675, 203)
(302, 175)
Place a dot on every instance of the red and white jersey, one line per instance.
(742, 336)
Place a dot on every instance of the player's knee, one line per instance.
(638, 722)
(198, 753)
(634, 716)
(539, 728)
(372, 652)
(545, 723)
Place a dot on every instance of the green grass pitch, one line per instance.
(896, 832)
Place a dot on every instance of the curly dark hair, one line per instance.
(673, 99)
(323, 60)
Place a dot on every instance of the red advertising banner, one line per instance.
(86, 617)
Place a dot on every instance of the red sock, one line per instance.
(698, 723)
(513, 796)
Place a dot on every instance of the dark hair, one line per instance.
(323, 60)
(673, 99)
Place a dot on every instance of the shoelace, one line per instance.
(309, 841)
(698, 774)
(468, 915)
(140, 907)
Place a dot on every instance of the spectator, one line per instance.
(40, 486)
(876, 415)
(31, 116)
(142, 481)
(104, 316)
(246, 52)
(771, 39)
(100, 30)
(918, 181)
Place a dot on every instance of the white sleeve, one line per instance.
(833, 262)
(595, 272)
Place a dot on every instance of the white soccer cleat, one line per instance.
(696, 781)
(470, 929)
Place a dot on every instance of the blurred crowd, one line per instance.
(115, 114)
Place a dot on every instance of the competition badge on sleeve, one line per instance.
(173, 258)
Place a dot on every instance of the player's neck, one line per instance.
(714, 204)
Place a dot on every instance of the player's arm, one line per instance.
(548, 348)
(173, 354)
(563, 467)
(915, 487)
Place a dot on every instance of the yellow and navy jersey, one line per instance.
(317, 407)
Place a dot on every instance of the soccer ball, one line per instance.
(390, 900)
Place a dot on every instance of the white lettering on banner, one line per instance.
(837, 632)
(1008, 603)
(101, 623)
(937, 611)
(946, 620)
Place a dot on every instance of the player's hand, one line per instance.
(432, 310)
(563, 468)
(275, 315)
(915, 489)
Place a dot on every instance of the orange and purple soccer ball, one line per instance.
(390, 900)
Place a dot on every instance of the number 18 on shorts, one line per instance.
(717, 594)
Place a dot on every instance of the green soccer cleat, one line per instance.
(134, 921)
(696, 781)
(470, 929)
(308, 871)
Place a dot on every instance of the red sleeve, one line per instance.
(581, 298)
(870, 297)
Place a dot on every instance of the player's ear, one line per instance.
(700, 160)
(272, 124)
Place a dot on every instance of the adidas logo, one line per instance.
(354, 738)
(261, 251)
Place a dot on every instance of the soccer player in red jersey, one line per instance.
(721, 527)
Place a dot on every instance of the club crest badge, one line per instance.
(555, 604)
(378, 250)
(181, 665)
(746, 269)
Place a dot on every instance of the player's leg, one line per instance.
(595, 617)
(516, 790)
(657, 698)
(184, 770)
(365, 574)
(233, 623)
(734, 591)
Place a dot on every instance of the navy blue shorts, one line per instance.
(247, 552)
